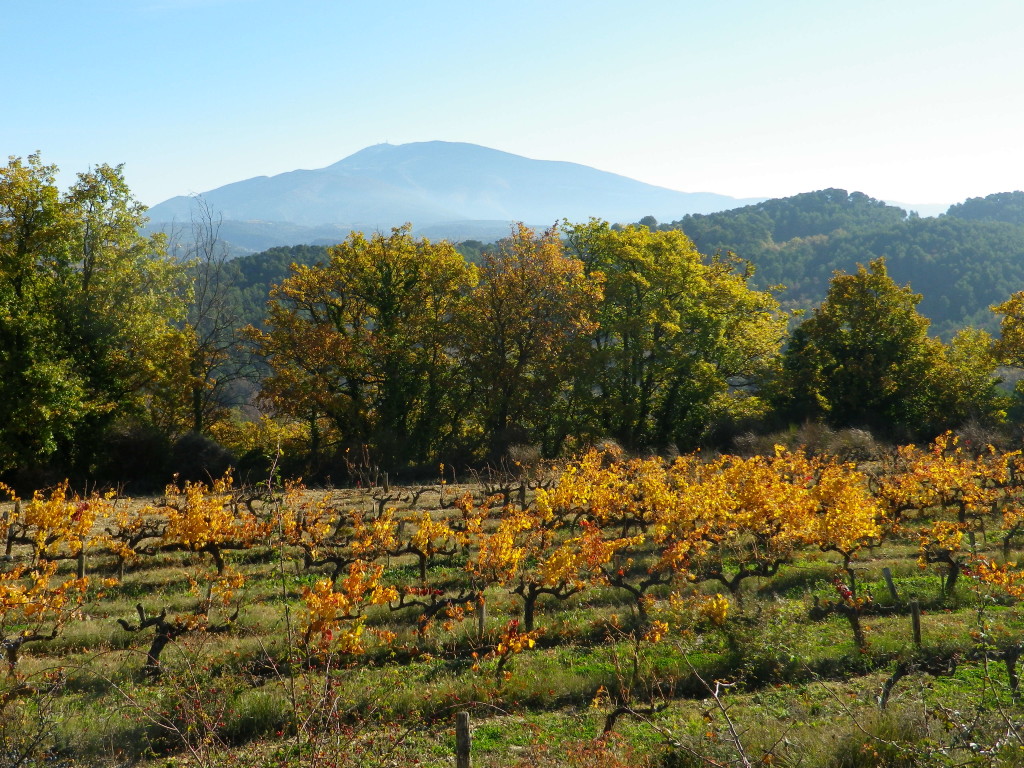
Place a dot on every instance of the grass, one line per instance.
(798, 691)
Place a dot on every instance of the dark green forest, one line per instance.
(961, 263)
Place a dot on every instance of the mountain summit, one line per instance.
(438, 182)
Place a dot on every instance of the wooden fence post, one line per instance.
(6, 527)
(10, 528)
(915, 620)
(463, 741)
(887, 575)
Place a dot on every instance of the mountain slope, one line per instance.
(961, 263)
(430, 183)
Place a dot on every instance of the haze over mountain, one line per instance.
(446, 189)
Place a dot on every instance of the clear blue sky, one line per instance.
(905, 100)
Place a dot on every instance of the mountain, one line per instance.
(440, 187)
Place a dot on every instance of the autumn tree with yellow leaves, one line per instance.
(525, 332)
(366, 340)
(680, 337)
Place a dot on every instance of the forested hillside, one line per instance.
(252, 277)
(961, 263)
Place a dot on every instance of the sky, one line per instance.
(908, 101)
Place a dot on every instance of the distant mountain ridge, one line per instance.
(438, 186)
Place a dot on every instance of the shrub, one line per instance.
(198, 458)
(136, 454)
(886, 741)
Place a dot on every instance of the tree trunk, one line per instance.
(529, 608)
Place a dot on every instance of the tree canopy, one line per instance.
(365, 338)
(864, 358)
(678, 336)
(413, 352)
(87, 311)
(526, 331)
(961, 263)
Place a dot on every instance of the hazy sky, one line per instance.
(904, 100)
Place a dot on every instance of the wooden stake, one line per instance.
(915, 620)
(463, 742)
(887, 575)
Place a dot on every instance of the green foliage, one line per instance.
(411, 348)
(252, 277)
(669, 351)
(960, 263)
(473, 251)
(1002, 206)
(526, 330)
(965, 382)
(810, 214)
(888, 741)
(679, 338)
(364, 339)
(86, 311)
(864, 358)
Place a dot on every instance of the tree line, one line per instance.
(118, 360)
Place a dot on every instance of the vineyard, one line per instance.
(787, 609)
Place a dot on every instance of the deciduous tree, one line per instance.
(864, 357)
(86, 307)
(679, 337)
(366, 340)
(526, 329)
